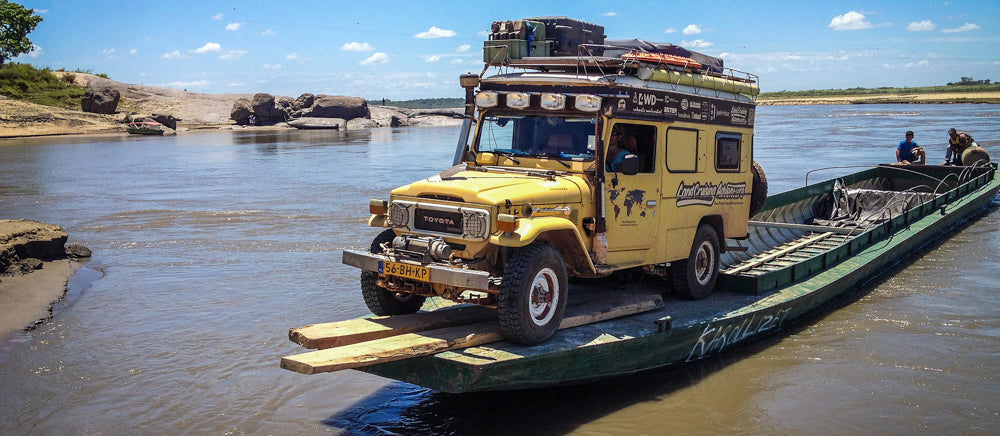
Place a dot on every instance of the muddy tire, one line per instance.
(694, 278)
(759, 193)
(533, 294)
(379, 300)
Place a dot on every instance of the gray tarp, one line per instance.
(863, 207)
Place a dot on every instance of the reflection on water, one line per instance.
(209, 246)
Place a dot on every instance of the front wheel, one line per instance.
(533, 294)
(381, 301)
(694, 278)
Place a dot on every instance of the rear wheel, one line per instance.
(694, 278)
(532, 296)
(382, 301)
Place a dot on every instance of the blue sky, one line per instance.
(416, 49)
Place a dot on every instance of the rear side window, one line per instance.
(727, 151)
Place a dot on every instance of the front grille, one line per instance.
(438, 221)
(462, 222)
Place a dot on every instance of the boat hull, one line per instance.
(684, 331)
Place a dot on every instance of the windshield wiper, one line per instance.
(508, 155)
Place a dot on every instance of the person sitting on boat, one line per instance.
(619, 147)
(908, 152)
(953, 155)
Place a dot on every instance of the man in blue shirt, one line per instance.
(908, 152)
(620, 146)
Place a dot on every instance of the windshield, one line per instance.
(538, 136)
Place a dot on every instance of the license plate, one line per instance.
(404, 270)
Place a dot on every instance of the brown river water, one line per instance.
(209, 246)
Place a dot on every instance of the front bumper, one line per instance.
(447, 275)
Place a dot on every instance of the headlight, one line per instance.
(399, 215)
(518, 100)
(553, 102)
(588, 103)
(475, 225)
(486, 99)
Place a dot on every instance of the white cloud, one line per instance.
(434, 58)
(232, 55)
(922, 26)
(375, 59)
(610, 14)
(35, 52)
(700, 43)
(217, 16)
(463, 48)
(267, 32)
(210, 47)
(195, 84)
(108, 53)
(434, 32)
(357, 46)
(691, 29)
(133, 51)
(292, 56)
(670, 30)
(922, 63)
(849, 21)
(234, 26)
(173, 55)
(963, 28)
(271, 67)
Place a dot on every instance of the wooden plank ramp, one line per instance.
(360, 342)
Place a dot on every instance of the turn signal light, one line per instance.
(378, 207)
(506, 223)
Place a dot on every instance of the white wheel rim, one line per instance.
(704, 263)
(543, 297)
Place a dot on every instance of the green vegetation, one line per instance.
(950, 88)
(25, 82)
(422, 103)
(16, 23)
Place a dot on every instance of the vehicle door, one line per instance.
(631, 200)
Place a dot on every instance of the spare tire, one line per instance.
(971, 155)
(758, 191)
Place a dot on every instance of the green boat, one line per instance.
(807, 248)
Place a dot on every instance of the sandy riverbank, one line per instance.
(34, 271)
(195, 112)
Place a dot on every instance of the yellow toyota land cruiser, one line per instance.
(630, 155)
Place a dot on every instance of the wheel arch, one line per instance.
(558, 232)
(716, 222)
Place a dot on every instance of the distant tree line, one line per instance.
(967, 81)
(421, 103)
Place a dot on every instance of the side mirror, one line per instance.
(629, 165)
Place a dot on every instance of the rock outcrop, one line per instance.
(336, 106)
(100, 100)
(268, 109)
(167, 120)
(242, 110)
(22, 240)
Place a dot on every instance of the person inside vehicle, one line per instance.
(908, 152)
(620, 146)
